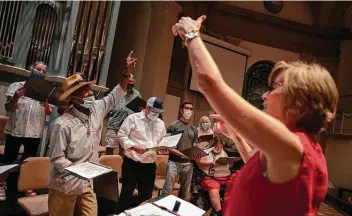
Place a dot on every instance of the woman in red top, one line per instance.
(288, 173)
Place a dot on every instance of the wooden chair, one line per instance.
(161, 164)
(3, 121)
(115, 162)
(34, 175)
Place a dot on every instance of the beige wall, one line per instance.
(131, 34)
(339, 151)
(344, 76)
(259, 52)
(293, 10)
(3, 90)
(338, 156)
(262, 52)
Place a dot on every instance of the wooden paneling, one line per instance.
(271, 31)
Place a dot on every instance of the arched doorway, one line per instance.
(256, 82)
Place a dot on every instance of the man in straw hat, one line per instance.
(74, 139)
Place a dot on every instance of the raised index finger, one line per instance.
(129, 55)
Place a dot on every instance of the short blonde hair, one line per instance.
(203, 119)
(310, 94)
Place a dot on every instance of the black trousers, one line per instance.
(12, 147)
(133, 174)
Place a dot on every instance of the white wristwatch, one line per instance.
(190, 35)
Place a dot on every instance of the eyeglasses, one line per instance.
(274, 85)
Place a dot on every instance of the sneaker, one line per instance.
(2, 192)
(30, 193)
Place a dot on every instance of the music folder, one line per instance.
(136, 103)
(41, 90)
(88, 170)
(4, 168)
(205, 138)
(194, 152)
(227, 160)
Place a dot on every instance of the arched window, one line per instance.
(9, 14)
(42, 34)
(256, 82)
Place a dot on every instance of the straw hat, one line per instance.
(71, 84)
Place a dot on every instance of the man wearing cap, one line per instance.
(74, 139)
(138, 133)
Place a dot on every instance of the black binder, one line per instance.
(41, 90)
(136, 103)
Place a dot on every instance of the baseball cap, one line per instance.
(156, 104)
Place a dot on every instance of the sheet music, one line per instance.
(186, 208)
(170, 141)
(208, 150)
(88, 170)
(147, 210)
(5, 168)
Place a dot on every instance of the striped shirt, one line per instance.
(120, 112)
(75, 138)
(29, 117)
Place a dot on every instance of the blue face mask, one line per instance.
(37, 75)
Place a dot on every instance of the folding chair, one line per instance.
(34, 175)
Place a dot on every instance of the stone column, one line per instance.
(159, 49)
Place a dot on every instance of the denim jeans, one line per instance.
(178, 172)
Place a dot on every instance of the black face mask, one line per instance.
(130, 86)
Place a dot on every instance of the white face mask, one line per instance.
(206, 126)
(187, 114)
(88, 102)
(153, 116)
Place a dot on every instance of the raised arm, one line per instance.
(271, 136)
(117, 94)
(242, 146)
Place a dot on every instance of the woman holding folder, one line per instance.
(288, 173)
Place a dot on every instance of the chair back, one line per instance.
(34, 174)
(113, 161)
(161, 165)
(3, 121)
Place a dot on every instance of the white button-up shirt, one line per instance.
(75, 138)
(29, 117)
(137, 129)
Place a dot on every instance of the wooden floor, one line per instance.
(326, 210)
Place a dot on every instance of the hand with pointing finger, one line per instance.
(131, 61)
(187, 24)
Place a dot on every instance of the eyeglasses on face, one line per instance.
(274, 85)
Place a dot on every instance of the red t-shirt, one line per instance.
(249, 193)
